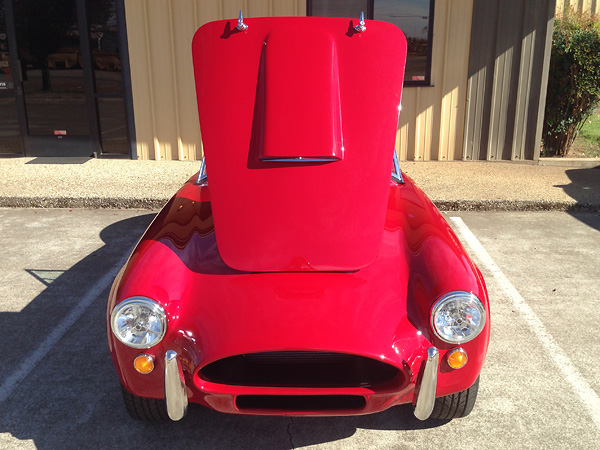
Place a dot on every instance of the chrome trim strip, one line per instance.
(202, 174)
(175, 394)
(427, 389)
(302, 159)
(397, 173)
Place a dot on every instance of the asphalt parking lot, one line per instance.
(539, 388)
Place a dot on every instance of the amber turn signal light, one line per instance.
(457, 358)
(144, 364)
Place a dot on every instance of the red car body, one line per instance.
(298, 277)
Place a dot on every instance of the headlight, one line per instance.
(457, 317)
(139, 322)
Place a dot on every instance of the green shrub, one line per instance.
(573, 80)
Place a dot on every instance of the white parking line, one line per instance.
(578, 383)
(28, 364)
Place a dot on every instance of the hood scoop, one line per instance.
(282, 121)
(298, 118)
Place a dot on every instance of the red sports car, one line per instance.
(293, 275)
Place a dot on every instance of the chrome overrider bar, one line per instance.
(426, 393)
(177, 402)
(175, 395)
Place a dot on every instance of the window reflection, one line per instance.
(413, 17)
(50, 54)
(104, 42)
(10, 137)
(6, 81)
(65, 81)
(113, 125)
(339, 8)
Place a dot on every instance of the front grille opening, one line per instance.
(300, 402)
(299, 369)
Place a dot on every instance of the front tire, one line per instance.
(455, 405)
(141, 408)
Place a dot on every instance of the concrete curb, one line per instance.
(148, 185)
(88, 203)
(158, 203)
(578, 163)
(513, 205)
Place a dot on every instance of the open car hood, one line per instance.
(298, 119)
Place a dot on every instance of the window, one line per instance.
(413, 17)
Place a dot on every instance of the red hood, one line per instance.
(298, 119)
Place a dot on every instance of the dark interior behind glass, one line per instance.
(413, 17)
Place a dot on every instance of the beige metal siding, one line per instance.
(164, 97)
(432, 118)
(507, 78)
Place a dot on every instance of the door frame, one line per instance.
(74, 145)
(17, 92)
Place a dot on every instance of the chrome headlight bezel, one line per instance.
(139, 305)
(471, 310)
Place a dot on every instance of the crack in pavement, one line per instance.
(289, 433)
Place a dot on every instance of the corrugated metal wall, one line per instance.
(164, 97)
(431, 120)
(592, 6)
(507, 79)
(166, 117)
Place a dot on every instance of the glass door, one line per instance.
(64, 78)
(10, 132)
(106, 49)
(51, 69)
